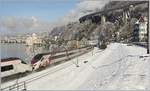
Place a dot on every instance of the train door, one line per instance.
(45, 60)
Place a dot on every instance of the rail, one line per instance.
(18, 86)
(22, 85)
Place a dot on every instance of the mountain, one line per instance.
(70, 20)
(83, 8)
(88, 29)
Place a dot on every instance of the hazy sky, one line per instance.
(26, 16)
(45, 10)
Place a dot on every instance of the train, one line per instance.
(12, 66)
(43, 60)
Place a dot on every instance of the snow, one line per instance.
(120, 69)
(117, 67)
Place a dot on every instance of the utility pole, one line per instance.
(92, 50)
(77, 64)
(148, 33)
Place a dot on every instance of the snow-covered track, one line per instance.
(23, 84)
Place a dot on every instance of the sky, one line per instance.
(27, 16)
(44, 10)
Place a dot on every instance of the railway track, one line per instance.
(23, 84)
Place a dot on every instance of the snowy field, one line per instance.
(119, 67)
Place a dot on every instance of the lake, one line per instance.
(22, 51)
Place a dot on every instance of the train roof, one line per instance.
(38, 56)
(9, 59)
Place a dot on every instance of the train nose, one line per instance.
(32, 68)
(33, 61)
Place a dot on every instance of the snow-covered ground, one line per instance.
(117, 67)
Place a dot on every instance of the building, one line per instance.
(84, 42)
(93, 39)
(143, 29)
(77, 44)
(93, 42)
(140, 30)
(72, 44)
(135, 35)
(29, 41)
(33, 39)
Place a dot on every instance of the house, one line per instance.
(72, 44)
(140, 30)
(143, 29)
(34, 39)
(84, 42)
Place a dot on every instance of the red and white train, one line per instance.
(45, 59)
(13, 65)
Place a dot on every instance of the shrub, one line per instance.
(103, 46)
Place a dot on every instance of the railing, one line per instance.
(22, 85)
(68, 54)
(18, 86)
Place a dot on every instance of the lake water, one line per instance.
(22, 51)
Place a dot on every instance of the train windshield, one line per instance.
(38, 57)
(23, 62)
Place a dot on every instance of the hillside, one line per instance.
(89, 29)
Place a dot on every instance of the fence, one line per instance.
(22, 86)
(18, 86)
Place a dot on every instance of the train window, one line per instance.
(42, 59)
(38, 56)
(6, 68)
(23, 62)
